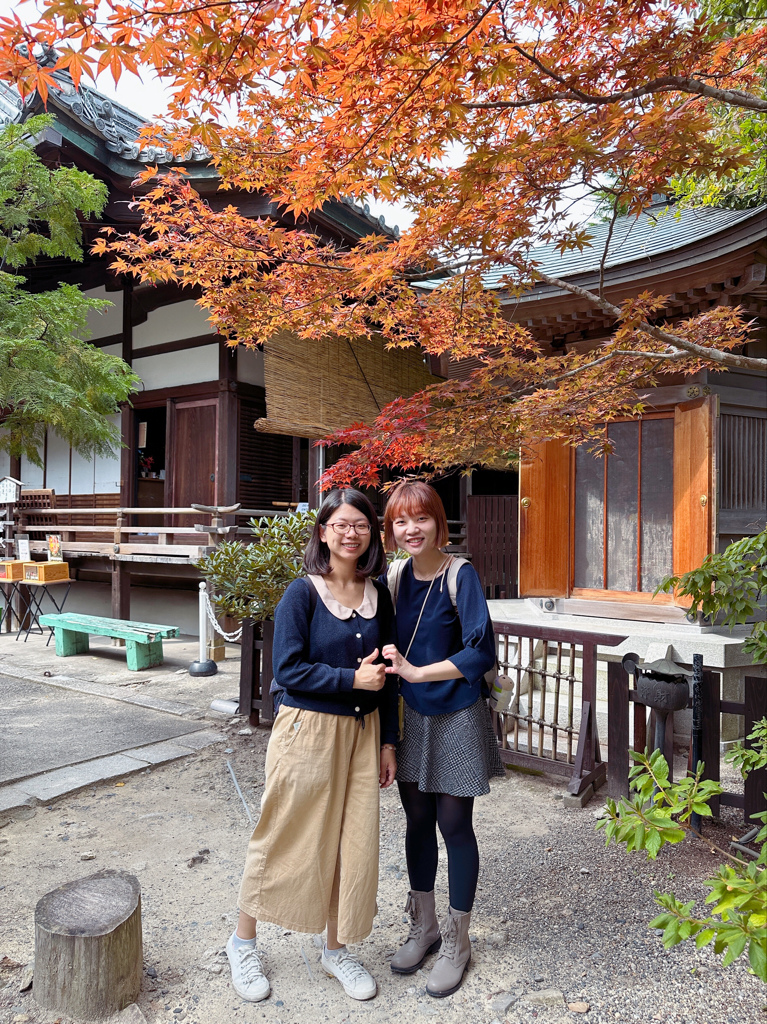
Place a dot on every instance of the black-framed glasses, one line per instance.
(342, 528)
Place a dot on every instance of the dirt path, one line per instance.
(555, 910)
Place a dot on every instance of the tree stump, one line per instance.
(88, 950)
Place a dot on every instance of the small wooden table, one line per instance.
(143, 640)
(33, 598)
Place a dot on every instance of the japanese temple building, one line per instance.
(190, 433)
(574, 533)
(596, 535)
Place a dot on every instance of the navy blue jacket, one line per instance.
(316, 655)
(464, 636)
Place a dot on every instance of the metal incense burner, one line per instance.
(661, 685)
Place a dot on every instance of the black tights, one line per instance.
(424, 811)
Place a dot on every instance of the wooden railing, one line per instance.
(157, 538)
(551, 724)
(753, 707)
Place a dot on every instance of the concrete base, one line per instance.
(203, 668)
(50, 785)
(568, 800)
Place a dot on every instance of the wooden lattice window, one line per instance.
(624, 508)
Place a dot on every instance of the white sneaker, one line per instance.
(356, 980)
(248, 978)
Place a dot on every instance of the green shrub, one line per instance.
(248, 580)
(658, 813)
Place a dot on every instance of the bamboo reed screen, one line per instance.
(313, 388)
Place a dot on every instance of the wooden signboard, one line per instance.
(10, 489)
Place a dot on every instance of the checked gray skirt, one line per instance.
(455, 753)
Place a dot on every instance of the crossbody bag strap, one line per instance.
(439, 574)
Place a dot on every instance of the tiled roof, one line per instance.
(119, 129)
(659, 230)
(104, 118)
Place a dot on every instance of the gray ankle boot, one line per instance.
(447, 973)
(423, 937)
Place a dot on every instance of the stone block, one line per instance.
(158, 753)
(569, 800)
(67, 780)
(14, 797)
(198, 740)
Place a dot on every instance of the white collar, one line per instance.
(367, 609)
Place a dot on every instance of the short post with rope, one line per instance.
(216, 532)
(203, 666)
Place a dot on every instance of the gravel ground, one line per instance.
(559, 919)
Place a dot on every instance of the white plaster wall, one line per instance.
(171, 369)
(175, 322)
(31, 475)
(102, 325)
(106, 470)
(250, 365)
(5, 460)
(57, 464)
(113, 350)
(82, 474)
(147, 604)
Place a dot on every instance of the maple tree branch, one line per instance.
(421, 79)
(668, 83)
(606, 249)
(658, 333)
(615, 354)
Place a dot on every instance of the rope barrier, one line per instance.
(229, 637)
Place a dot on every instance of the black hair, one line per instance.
(317, 555)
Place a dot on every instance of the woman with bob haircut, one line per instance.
(444, 647)
(312, 861)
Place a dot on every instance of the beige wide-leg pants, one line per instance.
(313, 855)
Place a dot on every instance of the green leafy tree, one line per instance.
(730, 585)
(50, 377)
(248, 580)
(745, 186)
(658, 813)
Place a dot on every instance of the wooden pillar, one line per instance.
(127, 418)
(464, 491)
(755, 710)
(127, 455)
(227, 447)
(710, 692)
(316, 469)
(120, 589)
(617, 730)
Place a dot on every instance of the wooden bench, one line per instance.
(143, 641)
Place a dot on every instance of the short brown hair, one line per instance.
(409, 497)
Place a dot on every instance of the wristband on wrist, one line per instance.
(388, 746)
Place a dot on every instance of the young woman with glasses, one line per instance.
(312, 861)
(444, 647)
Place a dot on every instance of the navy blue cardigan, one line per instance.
(464, 636)
(316, 655)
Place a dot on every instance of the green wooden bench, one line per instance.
(143, 641)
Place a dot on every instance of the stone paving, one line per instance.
(69, 723)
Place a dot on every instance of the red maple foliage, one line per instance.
(486, 120)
